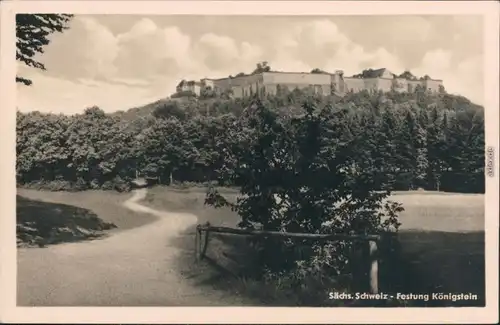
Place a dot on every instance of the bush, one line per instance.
(81, 184)
(122, 185)
(117, 184)
(55, 185)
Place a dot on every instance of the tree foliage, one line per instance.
(432, 141)
(305, 174)
(32, 34)
(262, 67)
(318, 71)
(303, 163)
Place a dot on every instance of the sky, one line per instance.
(118, 62)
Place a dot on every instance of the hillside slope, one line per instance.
(291, 101)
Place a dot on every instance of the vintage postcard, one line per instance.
(249, 162)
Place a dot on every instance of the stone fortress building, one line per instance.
(320, 82)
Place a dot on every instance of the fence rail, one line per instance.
(370, 249)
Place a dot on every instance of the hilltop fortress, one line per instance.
(320, 82)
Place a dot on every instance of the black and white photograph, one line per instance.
(167, 155)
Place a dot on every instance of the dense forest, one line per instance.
(411, 140)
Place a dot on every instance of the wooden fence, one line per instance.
(370, 250)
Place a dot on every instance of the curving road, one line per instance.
(129, 268)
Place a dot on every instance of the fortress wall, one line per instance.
(319, 83)
(412, 85)
(432, 85)
(354, 84)
(270, 89)
(237, 92)
(385, 84)
(245, 90)
(293, 86)
(277, 78)
(372, 84)
(246, 80)
(240, 85)
(400, 85)
(326, 89)
(222, 84)
(338, 82)
(227, 83)
(209, 83)
(240, 91)
(196, 89)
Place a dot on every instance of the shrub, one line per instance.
(55, 185)
(121, 185)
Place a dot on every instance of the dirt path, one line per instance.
(129, 268)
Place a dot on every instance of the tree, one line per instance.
(367, 73)
(100, 150)
(32, 31)
(318, 71)
(41, 150)
(304, 174)
(407, 75)
(262, 67)
(465, 141)
(436, 149)
(420, 141)
(168, 110)
(430, 140)
(168, 144)
(406, 147)
(387, 144)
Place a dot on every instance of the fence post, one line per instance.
(197, 240)
(204, 250)
(373, 271)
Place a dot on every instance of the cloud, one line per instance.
(58, 95)
(463, 77)
(147, 50)
(438, 61)
(218, 51)
(321, 44)
(312, 43)
(220, 54)
(86, 49)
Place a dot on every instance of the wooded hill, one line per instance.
(409, 140)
